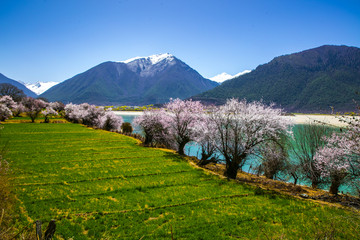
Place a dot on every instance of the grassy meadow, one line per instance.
(103, 185)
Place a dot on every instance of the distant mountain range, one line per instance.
(314, 80)
(27, 92)
(225, 76)
(309, 81)
(137, 81)
(40, 87)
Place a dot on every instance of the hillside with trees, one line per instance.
(310, 81)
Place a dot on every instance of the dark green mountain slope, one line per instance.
(308, 81)
(27, 92)
(137, 82)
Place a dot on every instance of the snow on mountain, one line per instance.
(40, 87)
(153, 59)
(225, 76)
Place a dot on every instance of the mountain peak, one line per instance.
(154, 59)
(40, 87)
(225, 76)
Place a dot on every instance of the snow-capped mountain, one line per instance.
(153, 59)
(150, 66)
(136, 81)
(225, 76)
(40, 87)
(20, 85)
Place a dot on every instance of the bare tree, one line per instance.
(15, 93)
(308, 138)
(273, 157)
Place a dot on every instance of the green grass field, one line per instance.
(102, 185)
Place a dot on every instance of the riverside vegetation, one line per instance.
(103, 185)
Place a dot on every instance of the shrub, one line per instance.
(126, 127)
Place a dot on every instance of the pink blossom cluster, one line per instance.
(342, 151)
(241, 126)
(6, 104)
(332, 158)
(93, 116)
(9, 108)
(154, 124)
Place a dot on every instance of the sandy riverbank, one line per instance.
(309, 118)
(128, 113)
(297, 119)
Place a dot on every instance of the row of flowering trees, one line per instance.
(240, 129)
(30, 106)
(235, 130)
(93, 116)
(86, 114)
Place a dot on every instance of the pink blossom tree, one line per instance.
(204, 137)
(110, 121)
(57, 106)
(183, 118)
(241, 127)
(5, 112)
(6, 104)
(154, 124)
(33, 107)
(7, 101)
(48, 112)
(18, 109)
(339, 159)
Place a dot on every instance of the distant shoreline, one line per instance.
(137, 113)
(309, 118)
(297, 119)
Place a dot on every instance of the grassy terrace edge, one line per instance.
(102, 185)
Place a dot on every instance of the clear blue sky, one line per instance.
(53, 40)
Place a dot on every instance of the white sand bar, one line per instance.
(328, 119)
(128, 113)
(297, 119)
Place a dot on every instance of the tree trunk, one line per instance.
(148, 139)
(269, 174)
(231, 170)
(335, 184)
(295, 178)
(181, 148)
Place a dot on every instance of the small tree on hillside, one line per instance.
(33, 107)
(241, 127)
